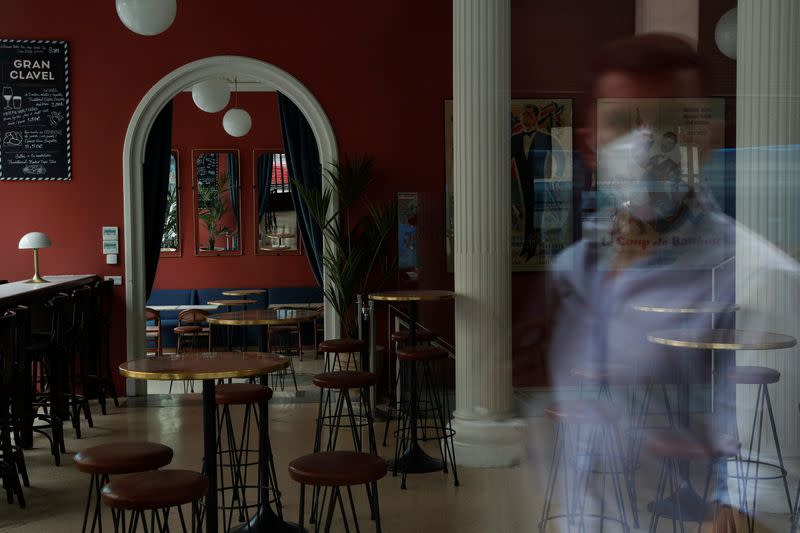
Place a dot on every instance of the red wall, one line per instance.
(381, 70)
(195, 129)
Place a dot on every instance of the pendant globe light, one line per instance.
(725, 33)
(237, 121)
(147, 17)
(211, 96)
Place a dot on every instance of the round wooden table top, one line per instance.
(262, 317)
(207, 365)
(722, 339)
(243, 301)
(412, 296)
(244, 292)
(694, 308)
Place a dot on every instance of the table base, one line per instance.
(691, 503)
(267, 521)
(415, 461)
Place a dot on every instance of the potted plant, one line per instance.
(356, 256)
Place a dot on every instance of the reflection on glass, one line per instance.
(171, 235)
(276, 221)
(217, 202)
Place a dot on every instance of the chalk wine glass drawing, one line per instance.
(8, 93)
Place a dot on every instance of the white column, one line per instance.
(486, 436)
(675, 16)
(768, 201)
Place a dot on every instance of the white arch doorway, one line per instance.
(133, 157)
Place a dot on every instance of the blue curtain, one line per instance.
(302, 160)
(264, 177)
(155, 187)
(234, 190)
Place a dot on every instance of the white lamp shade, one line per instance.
(34, 239)
(211, 95)
(147, 17)
(725, 33)
(237, 122)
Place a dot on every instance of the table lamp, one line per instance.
(35, 240)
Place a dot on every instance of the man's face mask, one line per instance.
(644, 183)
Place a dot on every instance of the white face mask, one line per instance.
(623, 172)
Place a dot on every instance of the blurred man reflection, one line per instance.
(660, 241)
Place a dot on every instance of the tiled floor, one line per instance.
(491, 500)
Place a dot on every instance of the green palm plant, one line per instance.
(357, 232)
(214, 209)
(169, 238)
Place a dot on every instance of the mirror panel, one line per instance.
(276, 229)
(217, 202)
(171, 237)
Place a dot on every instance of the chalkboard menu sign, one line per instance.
(35, 137)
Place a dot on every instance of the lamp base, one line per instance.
(37, 279)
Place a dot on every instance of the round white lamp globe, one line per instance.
(211, 95)
(725, 33)
(237, 122)
(147, 17)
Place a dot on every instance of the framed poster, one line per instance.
(407, 205)
(540, 181)
(35, 140)
(662, 147)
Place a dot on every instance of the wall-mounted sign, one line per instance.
(35, 137)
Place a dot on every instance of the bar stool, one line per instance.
(157, 491)
(399, 339)
(761, 377)
(12, 384)
(595, 422)
(330, 471)
(333, 417)
(32, 351)
(116, 458)
(48, 354)
(234, 458)
(672, 447)
(279, 340)
(424, 405)
(81, 353)
(630, 377)
(104, 381)
(336, 347)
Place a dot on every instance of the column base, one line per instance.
(483, 443)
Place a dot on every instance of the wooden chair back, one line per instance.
(192, 316)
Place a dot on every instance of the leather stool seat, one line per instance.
(345, 379)
(583, 412)
(753, 375)
(421, 353)
(242, 393)
(343, 345)
(422, 336)
(187, 329)
(337, 469)
(123, 457)
(677, 445)
(156, 489)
